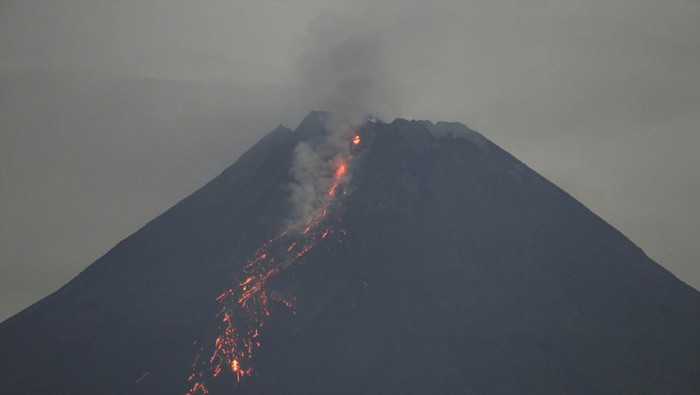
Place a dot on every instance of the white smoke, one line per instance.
(314, 170)
(343, 71)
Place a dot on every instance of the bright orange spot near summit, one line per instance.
(356, 140)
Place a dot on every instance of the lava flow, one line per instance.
(246, 307)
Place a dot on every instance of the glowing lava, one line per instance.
(356, 140)
(339, 173)
(245, 307)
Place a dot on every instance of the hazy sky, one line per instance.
(112, 111)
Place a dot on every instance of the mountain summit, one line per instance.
(427, 260)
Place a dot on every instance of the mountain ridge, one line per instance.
(461, 270)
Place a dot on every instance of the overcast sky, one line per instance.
(112, 111)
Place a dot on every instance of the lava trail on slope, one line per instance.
(246, 307)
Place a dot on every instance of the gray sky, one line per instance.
(112, 111)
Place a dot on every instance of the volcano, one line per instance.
(435, 263)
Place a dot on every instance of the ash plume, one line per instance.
(343, 71)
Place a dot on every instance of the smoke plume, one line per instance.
(343, 67)
(314, 170)
(343, 71)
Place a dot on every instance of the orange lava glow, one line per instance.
(356, 140)
(339, 173)
(198, 388)
(245, 307)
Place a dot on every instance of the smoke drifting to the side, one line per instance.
(343, 71)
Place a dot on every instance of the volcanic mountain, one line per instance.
(435, 263)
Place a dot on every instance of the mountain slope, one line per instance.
(460, 270)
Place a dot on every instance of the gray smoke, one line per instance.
(343, 71)
(314, 169)
(99, 99)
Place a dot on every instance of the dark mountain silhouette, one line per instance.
(460, 270)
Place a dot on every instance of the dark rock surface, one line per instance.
(463, 271)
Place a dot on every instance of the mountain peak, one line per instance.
(314, 124)
(432, 261)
